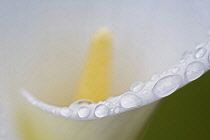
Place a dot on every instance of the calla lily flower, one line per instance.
(59, 55)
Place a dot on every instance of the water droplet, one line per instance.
(65, 111)
(175, 69)
(167, 85)
(130, 100)
(84, 112)
(137, 86)
(117, 110)
(82, 101)
(53, 111)
(200, 52)
(194, 70)
(107, 103)
(101, 111)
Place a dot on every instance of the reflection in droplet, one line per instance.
(137, 86)
(82, 101)
(194, 70)
(130, 100)
(200, 52)
(83, 112)
(101, 111)
(167, 85)
(117, 110)
(66, 112)
(107, 103)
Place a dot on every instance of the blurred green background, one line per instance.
(184, 115)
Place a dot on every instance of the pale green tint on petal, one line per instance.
(36, 124)
(8, 129)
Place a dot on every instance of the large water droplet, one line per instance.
(65, 111)
(167, 85)
(194, 70)
(200, 52)
(137, 86)
(130, 100)
(83, 112)
(101, 111)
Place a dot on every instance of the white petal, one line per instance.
(150, 39)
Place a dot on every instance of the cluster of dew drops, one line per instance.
(191, 66)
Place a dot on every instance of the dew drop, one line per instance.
(101, 111)
(82, 101)
(117, 110)
(107, 103)
(84, 112)
(65, 112)
(167, 85)
(53, 111)
(194, 70)
(130, 100)
(137, 86)
(200, 52)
